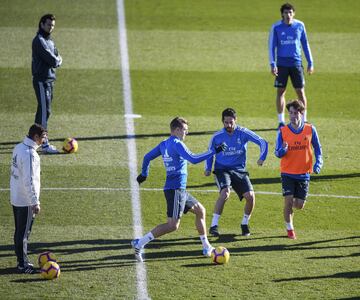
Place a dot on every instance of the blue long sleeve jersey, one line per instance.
(175, 155)
(234, 157)
(285, 42)
(315, 142)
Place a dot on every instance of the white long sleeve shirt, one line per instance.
(25, 174)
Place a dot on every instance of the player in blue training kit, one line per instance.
(175, 155)
(286, 39)
(230, 167)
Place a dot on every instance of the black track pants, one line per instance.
(24, 219)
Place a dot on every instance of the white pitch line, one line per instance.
(110, 189)
(142, 292)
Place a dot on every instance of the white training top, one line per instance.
(25, 174)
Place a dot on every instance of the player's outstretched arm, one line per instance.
(196, 158)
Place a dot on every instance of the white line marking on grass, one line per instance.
(142, 292)
(132, 116)
(109, 189)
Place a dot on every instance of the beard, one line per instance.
(229, 129)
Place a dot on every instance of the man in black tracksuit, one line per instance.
(45, 58)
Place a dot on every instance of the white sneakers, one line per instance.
(49, 149)
(26, 268)
(207, 251)
(138, 250)
(139, 256)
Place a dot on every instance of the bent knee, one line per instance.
(249, 196)
(300, 207)
(299, 204)
(225, 193)
(173, 225)
(281, 91)
(199, 209)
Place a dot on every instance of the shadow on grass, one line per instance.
(314, 245)
(62, 249)
(346, 275)
(96, 245)
(9, 271)
(5, 152)
(28, 280)
(335, 256)
(275, 180)
(135, 136)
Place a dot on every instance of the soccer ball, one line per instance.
(220, 255)
(45, 257)
(50, 270)
(70, 145)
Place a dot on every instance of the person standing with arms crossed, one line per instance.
(286, 39)
(45, 59)
(230, 168)
(175, 155)
(294, 145)
(25, 192)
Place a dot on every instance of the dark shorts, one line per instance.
(178, 202)
(239, 181)
(296, 75)
(298, 188)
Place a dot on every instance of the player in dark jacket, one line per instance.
(45, 58)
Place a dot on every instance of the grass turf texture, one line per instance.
(192, 59)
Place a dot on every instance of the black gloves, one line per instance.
(221, 147)
(140, 179)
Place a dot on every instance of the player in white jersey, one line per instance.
(25, 192)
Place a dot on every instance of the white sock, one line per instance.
(289, 226)
(215, 220)
(205, 242)
(146, 239)
(281, 118)
(245, 220)
(305, 116)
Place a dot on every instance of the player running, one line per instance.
(294, 145)
(175, 155)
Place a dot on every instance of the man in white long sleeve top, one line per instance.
(25, 192)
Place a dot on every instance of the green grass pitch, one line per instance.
(188, 58)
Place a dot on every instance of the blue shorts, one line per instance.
(296, 75)
(298, 188)
(239, 181)
(178, 202)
